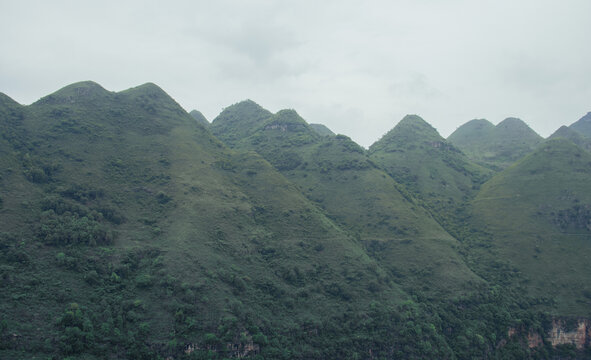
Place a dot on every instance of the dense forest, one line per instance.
(131, 229)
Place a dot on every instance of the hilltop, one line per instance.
(583, 125)
(130, 230)
(495, 146)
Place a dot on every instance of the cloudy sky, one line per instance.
(356, 66)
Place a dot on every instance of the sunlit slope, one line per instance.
(336, 174)
(538, 212)
(495, 146)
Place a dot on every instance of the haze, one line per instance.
(356, 66)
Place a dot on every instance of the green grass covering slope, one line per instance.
(322, 129)
(336, 174)
(416, 156)
(129, 231)
(197, 115)
(572, 135)
(538, 212)
(583, 125)
(495, 147)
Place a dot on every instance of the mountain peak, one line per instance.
(76, 92)
(199, 117)
(583, 125)
(410, 131)
(238, 121)
(6, 100)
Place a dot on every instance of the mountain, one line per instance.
(197, 115)
(538, 214)
(322, 130)
(572, 135)
(495, 147)
(583, 125)
(335, 173)
(130, 231)
(416, 156)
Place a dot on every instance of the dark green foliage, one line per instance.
(301, 249)
(71, 229)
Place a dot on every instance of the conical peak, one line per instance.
(479, 123)
(148, 89)
(199, 117)
(288, 120)
(75, 92)
(414, 125)
(7, 100)
(512, 122)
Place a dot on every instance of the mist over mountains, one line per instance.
(133, 229)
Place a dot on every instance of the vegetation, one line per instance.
(128, 230)
(498, 146)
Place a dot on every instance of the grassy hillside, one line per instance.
(335, 173)
(583, 125)
(416, 156)
(495, 147)
(572, 135)
(197, 115)
(129, 230)
(322, 130)
(538, 214)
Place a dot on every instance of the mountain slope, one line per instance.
(538, 214)
(583, 125)
(419, 158)
(197, 115)
(335, 173)
(572, 135)
(496, 147)
(129, 231)
(322, 130)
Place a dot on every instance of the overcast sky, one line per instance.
(356, 66)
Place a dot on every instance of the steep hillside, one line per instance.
(416, 156)
(539, 214)
(583, 125)
(197, 115)
(335, 173)
(322, 130)
(495, 147)
(572, 135)
(129, 231)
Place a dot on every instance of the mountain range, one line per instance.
(133, 229)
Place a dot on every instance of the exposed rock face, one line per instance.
(580, 336)
(560, 334)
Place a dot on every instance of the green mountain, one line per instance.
(495, 147)
(583, 125)
(572, 135)
(538, 213)
(335, 173)
(129, 231)
(197, 115)
(416, 156)
(322, 130)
